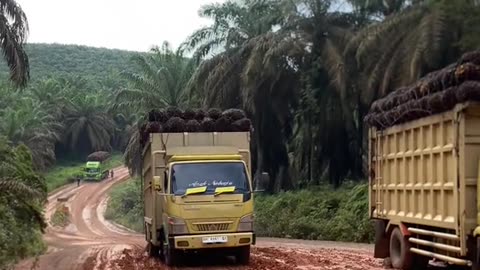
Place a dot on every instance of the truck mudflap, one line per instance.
(202, 241)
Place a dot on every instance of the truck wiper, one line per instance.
(196, 190)
(221, 190)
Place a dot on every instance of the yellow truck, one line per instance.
(424, 187)
(198, 194)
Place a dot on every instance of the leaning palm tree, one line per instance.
(13, 34)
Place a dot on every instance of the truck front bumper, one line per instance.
(196, 241)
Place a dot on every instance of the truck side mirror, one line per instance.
(263, 182)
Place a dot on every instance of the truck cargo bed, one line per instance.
(424, 172)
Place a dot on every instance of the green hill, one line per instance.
(57, 60)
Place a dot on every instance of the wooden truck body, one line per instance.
(424, 184)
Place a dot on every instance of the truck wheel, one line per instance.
(474, 247)
(243, 255)
(400, 254)
(171, 256)
(153, 251)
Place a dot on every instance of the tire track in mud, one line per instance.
(92, 243)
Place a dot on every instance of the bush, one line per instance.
(316, 214)
(61, 217)
(125, 205)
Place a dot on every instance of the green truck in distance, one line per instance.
(95, 167)
(94, 171)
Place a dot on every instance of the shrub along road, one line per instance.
(91, 242)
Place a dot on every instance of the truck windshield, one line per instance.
(92, 170)
(210, 175)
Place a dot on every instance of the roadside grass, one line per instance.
(316, 213)
(125, 205)
(65, 171)
(319, 213)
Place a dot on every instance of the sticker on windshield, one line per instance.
(214, 183)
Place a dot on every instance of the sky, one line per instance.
(121, 24)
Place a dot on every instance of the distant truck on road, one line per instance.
(94, 169)
(198, 194)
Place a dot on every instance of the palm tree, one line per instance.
(87, 124)
(13, 34)
(23, 189)
(29, 124)
(133, 152)
(419, 37)
(161, 83)
(266, 75)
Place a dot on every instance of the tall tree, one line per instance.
(13, 34)
(22, 195)
(87, 124)
(161, 82)
(28, 123)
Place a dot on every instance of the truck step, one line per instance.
(449, 259)
(435, 245)
(434, 234)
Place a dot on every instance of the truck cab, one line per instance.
(199, 196)
(93, 171)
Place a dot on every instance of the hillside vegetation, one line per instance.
(101, 66)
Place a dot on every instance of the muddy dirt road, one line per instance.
(90, 242)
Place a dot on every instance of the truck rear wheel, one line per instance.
(243, 255)
(153, 251)
(400, 254)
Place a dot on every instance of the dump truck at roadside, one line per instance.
(424, 171)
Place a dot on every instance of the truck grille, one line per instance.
(208, 227)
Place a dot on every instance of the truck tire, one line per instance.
(243, 255)
(474, 255)
(400, 254)
(171, 256)
(153, 251)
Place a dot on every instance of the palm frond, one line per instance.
(16, 187)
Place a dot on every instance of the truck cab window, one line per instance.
(211, 174)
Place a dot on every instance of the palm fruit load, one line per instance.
(98, 156)
(436, 92)
(174, 120)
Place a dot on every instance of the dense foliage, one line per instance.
(22, 194)
(318, 213)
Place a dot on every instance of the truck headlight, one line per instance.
(177, 226)
(246, 224)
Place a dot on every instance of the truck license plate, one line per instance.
(214, 239)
